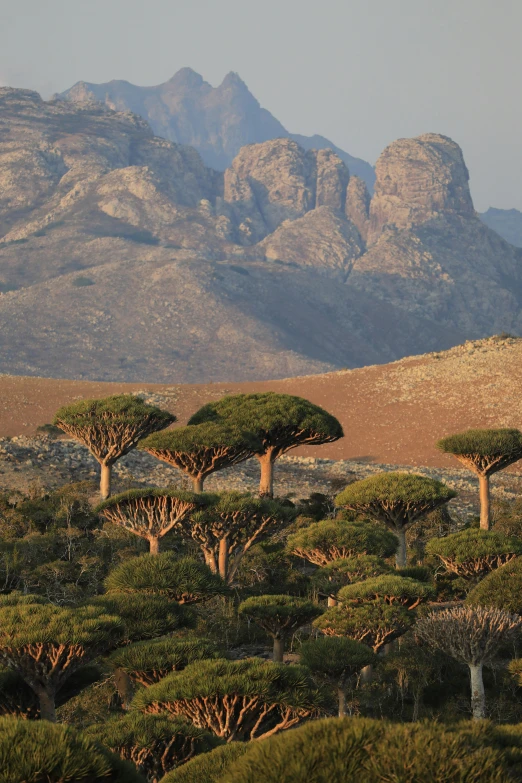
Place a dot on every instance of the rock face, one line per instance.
(217, 121)
(358, 205)
(277, 181)
(122, 256)
(417, 180)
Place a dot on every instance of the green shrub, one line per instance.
(500, 589)
(82, 282)
(473, 553)
(152, 743)
(208, 767)
(347, 749)
(182, 579)
(374, 623)
(389, 588)
(148, 662)
(236, 700)
(41, 752)
(335, 539)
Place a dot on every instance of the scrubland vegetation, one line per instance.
(194, 637)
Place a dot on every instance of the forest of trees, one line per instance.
(164, 635)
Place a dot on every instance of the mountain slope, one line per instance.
(217, 121)
(506, 222)
(123, 257)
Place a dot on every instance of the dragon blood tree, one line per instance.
(280, 421)
(150, 513)
(182, 579)
(500, 589)
(471, 635)
(397, 500)
(110, 428)
(208, 767)
(149, 661)
(375, 623)
(329, 579)
(335, 539)
(242, 700)
(41, 752)
(202, 449)
(391, 589)
(155, 744)
(473, 553)
(229, 525)
(337, 659)
(484, 452)
(279, 616)
(45, 644)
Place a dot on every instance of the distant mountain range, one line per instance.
(124, 257)
(217, 121)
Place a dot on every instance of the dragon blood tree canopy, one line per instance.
(484, 452)
(150, 513)
(199, 450)
(395, 499)
(281, 422)
(111, 427)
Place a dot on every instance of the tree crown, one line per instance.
(405, 490)
(332, 539)
(473, 543)
(132, 496)
(182, 579)
(272, 416)
(279, 611)
(500, 589)
(41, 751)
(126, 409)
(388, 587)
(32, 621)
(271, 682)
(207, 435)
(208, 767)
(145, 616)
(483, 443)
(374, 622)
(170, 653)
(335, 656)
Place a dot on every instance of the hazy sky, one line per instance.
(361, 72)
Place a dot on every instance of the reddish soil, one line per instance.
(390, 413)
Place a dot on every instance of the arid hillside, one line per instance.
(391, 413)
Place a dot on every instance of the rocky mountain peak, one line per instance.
(416, 180)
(187, 78)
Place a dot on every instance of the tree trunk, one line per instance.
(400, 557)
(478, 697)
(341, 696)
(485, 523)
(279, 650)
(417, 699)
(223, 559)
(124, 686)
(47, 706)
(197, 484)
(154, 545)
(105, 481)
(332, 601)
(266, 483)
(366, 673)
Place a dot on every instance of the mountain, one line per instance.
(506, 222)
(123, 257)
(217, 121)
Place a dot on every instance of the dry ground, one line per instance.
(391, 413)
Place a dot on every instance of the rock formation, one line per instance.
(122, 256)
(506, 222)
(217, 121)
(417, 180)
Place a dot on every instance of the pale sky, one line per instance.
(360, 72)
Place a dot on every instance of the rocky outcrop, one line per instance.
(358, 205)
(417, 180)
(217, 121)
(321, 240)
(276, 181)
